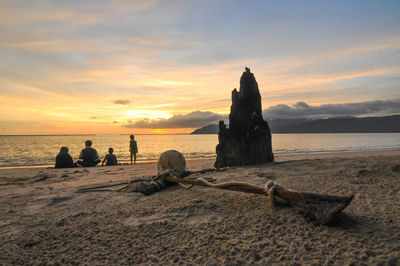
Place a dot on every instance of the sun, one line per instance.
(159, 131)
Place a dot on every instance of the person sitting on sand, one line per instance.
(110, 158)
(89, 156)
(63, 159)
(133, 148)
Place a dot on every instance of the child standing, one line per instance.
(133, 148)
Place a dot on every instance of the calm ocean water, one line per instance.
(41, 150)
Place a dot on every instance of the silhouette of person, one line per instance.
(133, 148)
(89, 156)
(110, 158)
(63, 159)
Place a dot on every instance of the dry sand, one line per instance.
(42, 220)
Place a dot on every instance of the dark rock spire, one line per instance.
(248, 139)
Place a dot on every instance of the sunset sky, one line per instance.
(170, 66)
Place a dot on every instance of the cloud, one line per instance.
(192, 120)
(68, 12)
(198, 119)
(122, 102)
(303, 110)
(32, 16)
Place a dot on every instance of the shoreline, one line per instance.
(278, 157)
(331, 154)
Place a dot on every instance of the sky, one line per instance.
(169, 66)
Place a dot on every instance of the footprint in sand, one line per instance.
(156, 218)
(43, 176)
(81, 172)
(78, 173)
(79, 215)
(183, 216)
(396, 168)
(58, 200)
(269, 176)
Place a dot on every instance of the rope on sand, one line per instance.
(153, 180)
(101, 188)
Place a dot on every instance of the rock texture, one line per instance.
(247, 141)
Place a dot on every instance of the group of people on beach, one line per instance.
(89, 156)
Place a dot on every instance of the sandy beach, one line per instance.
(43, 220)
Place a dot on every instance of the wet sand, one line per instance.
(43, 220)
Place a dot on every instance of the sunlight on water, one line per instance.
(41, 150)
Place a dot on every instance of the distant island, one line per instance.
(209, 129)
(384, 124)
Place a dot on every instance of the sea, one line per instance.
(41, 150)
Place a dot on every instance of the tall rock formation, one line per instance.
(247, 141)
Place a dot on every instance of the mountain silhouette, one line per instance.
(384, 124)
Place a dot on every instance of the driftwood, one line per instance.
(146, 186)
(319, 208)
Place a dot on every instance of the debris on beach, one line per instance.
(317, 207)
